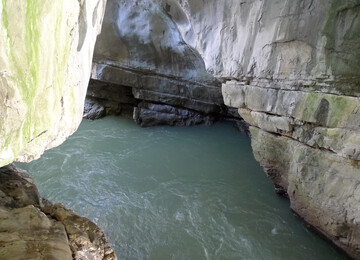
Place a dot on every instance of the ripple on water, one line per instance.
(174, 193)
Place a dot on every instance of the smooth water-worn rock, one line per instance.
(323, 188)
(27, 233)
(309, 146)
(141, 47)
(46, 49)
(312, 42)
(291, 68)
(34, 229)
(298, 85)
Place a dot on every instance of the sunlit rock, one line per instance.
(46, 48)
(298, 85)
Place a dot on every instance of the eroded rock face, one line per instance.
(141, 47)
(315, 43)
(302, 99)
(34, 229)
(46, 51)
(291, 69)
(86, 240)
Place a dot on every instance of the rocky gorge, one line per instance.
(290, 69)
(287, 69)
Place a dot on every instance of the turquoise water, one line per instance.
(174, 193)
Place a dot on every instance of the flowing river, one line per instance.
(174, 193)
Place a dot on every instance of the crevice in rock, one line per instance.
(290, 137)
(267, 87)
(43, 132)
(83, 26)
(145, 72)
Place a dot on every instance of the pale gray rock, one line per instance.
(324, 189)
(290, 67)
(168, 90)
(283, 44)
(141, 47)
(139, 35)
(320, 120)
(46, 49)
(293, 72)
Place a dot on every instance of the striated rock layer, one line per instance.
(46, 49)
(31, 228)
(291, 68)
(298, 86)
(140, 48)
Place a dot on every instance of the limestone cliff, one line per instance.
(291, 68)
(46, 48)
(296, 81)
(141, 53)
(314, 43)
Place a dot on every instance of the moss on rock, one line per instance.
(40, 69)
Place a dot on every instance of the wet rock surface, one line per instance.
(93, 110)
(34, 229)
(149, 114)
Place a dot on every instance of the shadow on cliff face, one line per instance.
(162, 80)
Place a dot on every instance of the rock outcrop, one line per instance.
(46, 49)
(140, 48)
(31, 228)
(298, 86)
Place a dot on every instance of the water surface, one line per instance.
(174, 193)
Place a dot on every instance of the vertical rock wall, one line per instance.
(46, 49)
(294, 74)
(294, 70)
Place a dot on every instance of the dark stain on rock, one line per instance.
(322, 112)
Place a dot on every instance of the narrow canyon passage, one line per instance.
(174, 193)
